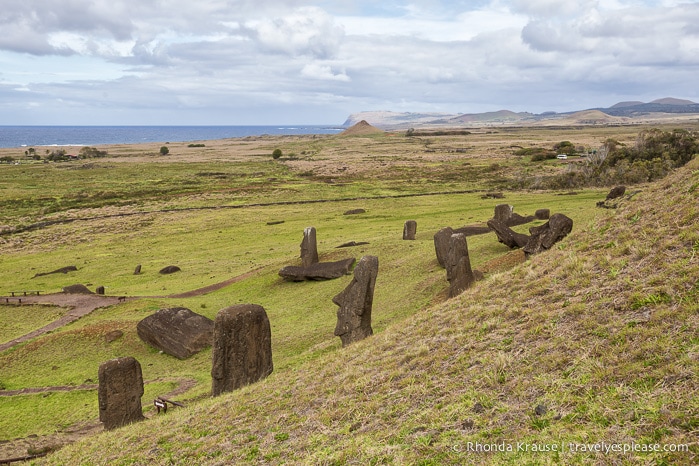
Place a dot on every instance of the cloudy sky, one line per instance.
(251, 62)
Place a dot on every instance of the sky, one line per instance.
(267, 62)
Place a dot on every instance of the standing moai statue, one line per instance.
(99, 290)
(409, 229)
(137, 270)
(503, 213)
(309, 247)
(459, 273)
(119, 392)
(441, 244)
(242, 349)
(355, 301)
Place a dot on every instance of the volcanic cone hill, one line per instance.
(593, 341)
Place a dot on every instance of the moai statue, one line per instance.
(137, 270)
(503, 213)
(409, 230)
(99, 290)
(242, 350)
(441, 244)
(309, 247)
(119, 392)
(355, 301)
(459, 273)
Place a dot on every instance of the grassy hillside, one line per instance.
(593, 342)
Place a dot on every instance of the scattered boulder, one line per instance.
(176, 331)
(355, 301)
(409, 230)
(318, 271)
(506, 235)
(242, 350)
(441, 244)
(355, 212)
(114, 335)
(309, 247)
(350, 244)
(70, 268)
(545, 236)
(542, 214)
(119, 392)
(137, 271)
(77, 289)
(169, 269)
(616, 192)
(458, 265)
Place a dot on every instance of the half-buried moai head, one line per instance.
(309, 247)
(355, 301)
(459, 273)
(119, 392)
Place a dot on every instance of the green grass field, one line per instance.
(402, 398)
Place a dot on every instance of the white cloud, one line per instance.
(323, 72)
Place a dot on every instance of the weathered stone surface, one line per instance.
(503, 212)
(119, 392)
(409, 230)
(77, 289)
(355, 301)
(318, 271)
(169, 269)
(507, 236)
(441, 244)
(355, 212)
(242, 351)
(176, 331)
(542, 214)
(546, 235)
(458, 265)
(616, 192)
(309, 247)
(137, 270)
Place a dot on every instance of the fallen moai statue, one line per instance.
(318, 271)
(77, 289)
(169, 269)
(506, 235)
(176, 331)
(546, 235)
(355, 301)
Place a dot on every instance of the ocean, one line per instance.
(30, 136)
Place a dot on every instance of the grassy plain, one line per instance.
(410, 392)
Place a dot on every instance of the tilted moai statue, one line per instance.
(355, 301)
(459, 273)
(309, 247)
(409, 229)
(119, 392)
(242, 350)
(441, 244)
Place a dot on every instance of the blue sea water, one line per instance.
(30, 136)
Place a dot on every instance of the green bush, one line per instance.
(276, 154)
(164, 150)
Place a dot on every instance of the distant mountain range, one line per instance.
(620, 113)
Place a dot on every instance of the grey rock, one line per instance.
(242, 351)
(119, 392)
(169, 269)
(616, 192)
(176, 331)
(355, 302)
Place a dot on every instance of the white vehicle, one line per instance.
(562, 156)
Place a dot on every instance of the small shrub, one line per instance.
(164, 150)
(276, 154)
